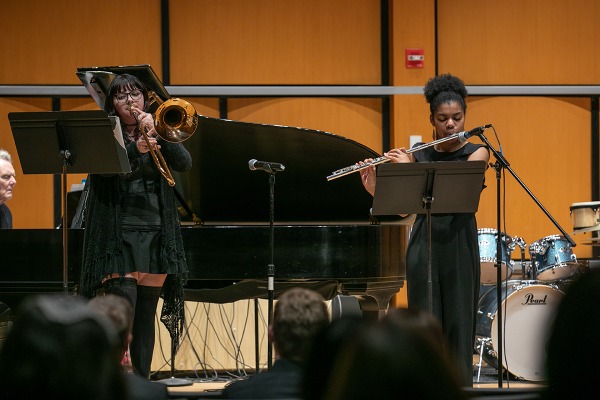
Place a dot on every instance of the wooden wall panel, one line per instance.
(547, 142)
(208, 107)
(512, 42)
(410, 115)
(411, 26)
(358, 119)
(45, 41)
(310, 42)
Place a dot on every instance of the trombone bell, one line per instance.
(175, 120)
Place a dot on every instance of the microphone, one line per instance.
(462, 136)
(265, 166)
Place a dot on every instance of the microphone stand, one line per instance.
(500, 164)
(66, 157)
(271, 169)
(271, 266)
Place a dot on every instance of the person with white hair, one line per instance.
(8, 181)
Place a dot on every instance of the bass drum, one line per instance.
(528, 309)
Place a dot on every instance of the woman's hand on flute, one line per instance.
(368, 176)
(398, 155)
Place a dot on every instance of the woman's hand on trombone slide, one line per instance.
(145, 123)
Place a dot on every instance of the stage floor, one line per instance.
(485, 384)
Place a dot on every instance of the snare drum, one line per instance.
(586, 216)
(528, 309)
(552, 258)
(488, 246)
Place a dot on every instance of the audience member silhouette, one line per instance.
(58, 348)
(324, 351)
(401, 356)
(299, 314)
(119, 311)
(5, 322)
(573, 349)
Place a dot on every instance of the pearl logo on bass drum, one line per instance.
(532, 300)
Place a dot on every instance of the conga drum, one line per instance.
(586, 216)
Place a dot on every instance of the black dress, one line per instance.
(132, 224)
(455, 268)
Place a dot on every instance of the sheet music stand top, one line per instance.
(455, 187)
(97, 80)
(93, 139)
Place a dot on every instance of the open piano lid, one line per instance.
(221, 188)
(97, 80)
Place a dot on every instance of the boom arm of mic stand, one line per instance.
(500, 158)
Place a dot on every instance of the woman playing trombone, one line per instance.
(132, 244)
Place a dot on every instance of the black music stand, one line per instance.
(428, 188)
(68, 142)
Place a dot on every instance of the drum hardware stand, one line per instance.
(481, 348)
(500, 164)
(522, 245)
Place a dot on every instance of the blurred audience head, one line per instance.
(58, 348)
(299, 314)
(5, 321)
(119, 311)
(573, 349)
(401, 355)
(324, 351)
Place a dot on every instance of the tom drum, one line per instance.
(488, 243)
(552, 258)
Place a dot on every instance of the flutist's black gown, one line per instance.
(455, 268)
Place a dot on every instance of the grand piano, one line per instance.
(323, 236)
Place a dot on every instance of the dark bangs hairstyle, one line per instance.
(124, 82)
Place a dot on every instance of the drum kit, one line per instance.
(528, 304)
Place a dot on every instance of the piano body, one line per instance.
(322, 231)
(323, 236)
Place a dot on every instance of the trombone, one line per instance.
(175, 120)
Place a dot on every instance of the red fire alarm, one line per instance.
(414, 58)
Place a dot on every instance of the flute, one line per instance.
(462, 136)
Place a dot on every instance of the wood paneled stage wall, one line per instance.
(531, 67)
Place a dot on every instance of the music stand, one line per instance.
(68, 142)
(428, 188)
